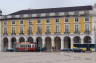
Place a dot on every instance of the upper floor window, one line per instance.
(47, 28)
(86, 18)
(95, 28)
(66, 28)
(5, 22)
(57, 20)
(76, 19)
(57, 28)
(76, 28)
(47, 21)
(66, 19)
(30, 30)
(13, 30)
(87, 27)
(21, 22)
(39, 21)
(39, 30)
(13, 21)
(21, 29)
(30, 22)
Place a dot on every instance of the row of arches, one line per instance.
(48, 42)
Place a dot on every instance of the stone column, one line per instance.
(9, 43)
(43, 42)
(71, 42)
(62, 44)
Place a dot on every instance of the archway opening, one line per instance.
(87, 39)
(67, 42)
(39, 43)
(21, 39)
(57, 43)
(48, 44)
(30, 39)
(5, 44)
(77, 40)
(13, 41)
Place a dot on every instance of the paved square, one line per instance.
(54, 57)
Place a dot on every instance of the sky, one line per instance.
(10, 6)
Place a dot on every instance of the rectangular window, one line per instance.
(87, 27)
(39, 21)
(30, 29)
(21, 22)
(57, 28)
(47, 28)
(95, 27)
(30, 22)
(76, 19)
(5, 30)
(13, 21)
(39, 30)
(13, 30)
(86, 18)
(21, 29)
(66, 19)
(5, 22)
(66, 28)
(47, 20)
(57, 20)
(76, 28)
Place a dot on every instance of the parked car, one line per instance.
(11, 50)
(67, 49)
(77, 50)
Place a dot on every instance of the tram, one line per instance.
(26, 47)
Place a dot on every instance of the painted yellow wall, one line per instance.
(2, 27)
(26, 27)
(81, 27)
(71, 20)
(43, 21)
(34, 26)
(17, 27)
(61, 25)
(52, 26)
(90, 23)
(9, 27)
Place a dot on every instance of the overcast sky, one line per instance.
(10, 6)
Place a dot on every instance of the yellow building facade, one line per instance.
(56, 29)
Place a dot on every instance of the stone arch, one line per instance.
(5, 43)
(77, 39)
(30, 39)
(13, 42)
(87, 39)
(48, 43)
(57, 43)
(39, 43)
(21, 39)
(67, 42)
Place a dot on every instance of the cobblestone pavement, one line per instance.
(41, 57)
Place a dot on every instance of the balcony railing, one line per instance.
(47, 32)
(66, 32)
(87, 32)
(76, 32)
